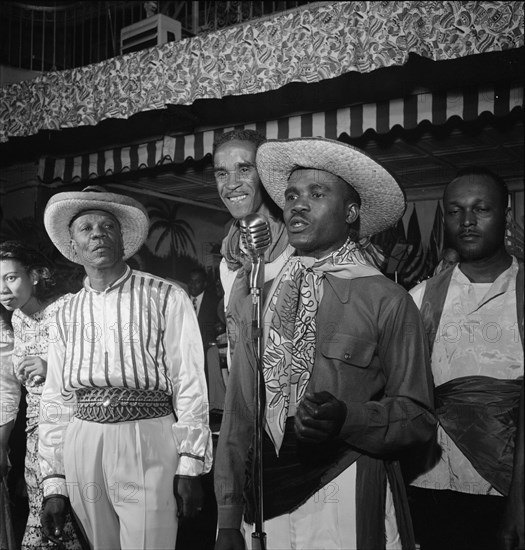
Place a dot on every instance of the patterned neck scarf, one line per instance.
(290, 338)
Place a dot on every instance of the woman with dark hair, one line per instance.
(27, 288)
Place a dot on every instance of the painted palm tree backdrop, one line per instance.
(177, 234)
(174, 254)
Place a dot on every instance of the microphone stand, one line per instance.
(256, 288)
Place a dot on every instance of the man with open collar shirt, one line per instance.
(345, 365)
(473, 317)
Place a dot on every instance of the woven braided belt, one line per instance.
(110, 405)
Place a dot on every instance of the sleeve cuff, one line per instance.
(230, 516)
(190, 465)
(55, 485)
(356, 421)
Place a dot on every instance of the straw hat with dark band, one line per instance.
(63, 208)
(382, 200)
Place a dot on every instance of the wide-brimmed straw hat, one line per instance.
(382, 200)
(63, 208)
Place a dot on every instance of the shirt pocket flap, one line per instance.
(349, 349)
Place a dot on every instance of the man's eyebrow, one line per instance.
(311, 186)
(238, 165)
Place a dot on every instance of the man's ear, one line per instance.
(352, 212)
(72, 247)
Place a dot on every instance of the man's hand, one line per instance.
(32, 366)
(53, 518)
(189, 495)
(319, 417)
(230, 539)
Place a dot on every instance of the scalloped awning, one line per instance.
(322, 41)
(355, 120)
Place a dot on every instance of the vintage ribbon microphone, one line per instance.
(256, 238)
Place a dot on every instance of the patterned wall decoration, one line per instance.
(308, 45)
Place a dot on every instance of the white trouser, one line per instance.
(326, 521)
(120, 482)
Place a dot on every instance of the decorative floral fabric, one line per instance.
(32, 335)
(307, 45)
(290, 343)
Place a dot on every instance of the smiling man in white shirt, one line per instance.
(241, 191)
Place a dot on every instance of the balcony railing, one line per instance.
(58, 35)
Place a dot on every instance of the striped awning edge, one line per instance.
(381, 117)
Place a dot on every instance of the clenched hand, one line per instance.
(319, 417)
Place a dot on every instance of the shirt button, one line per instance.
(347, 356)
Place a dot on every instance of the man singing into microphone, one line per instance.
(240, 189)
(345, 366)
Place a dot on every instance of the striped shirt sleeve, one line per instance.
(185, 361)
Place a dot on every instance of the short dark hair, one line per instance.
(241, 135)
(482, 171)
(33, 260)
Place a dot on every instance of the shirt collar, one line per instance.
(505, 282)
(115, 284)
